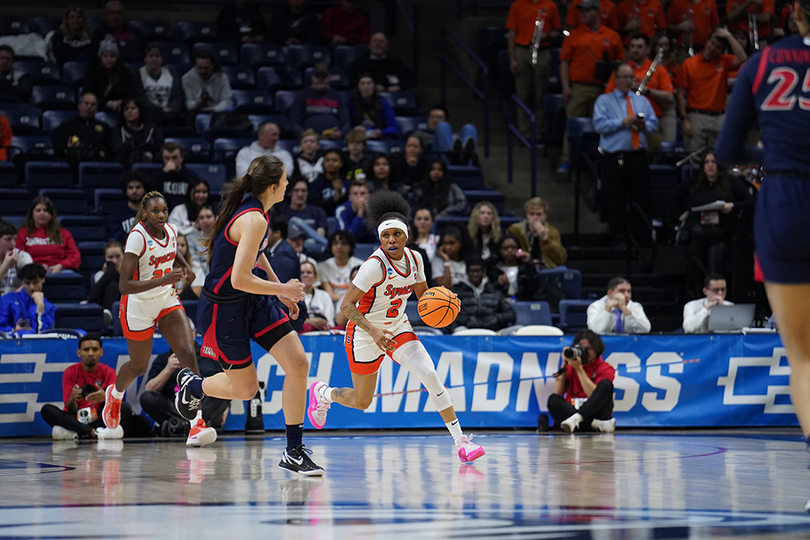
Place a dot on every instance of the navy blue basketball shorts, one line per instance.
(782, 229)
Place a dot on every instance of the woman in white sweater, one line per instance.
(184, 215)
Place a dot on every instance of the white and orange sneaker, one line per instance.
(200, 434)
(467, 450)
(318, 404)
(112, 408)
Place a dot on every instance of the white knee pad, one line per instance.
(413, 357)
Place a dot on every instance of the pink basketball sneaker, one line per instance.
(318, 406)
(468, 450)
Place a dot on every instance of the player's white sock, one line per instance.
(454, 428)
(326, 393)
(116, 394)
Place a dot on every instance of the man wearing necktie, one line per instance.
(616, 313)
(623, 120)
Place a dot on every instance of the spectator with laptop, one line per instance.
(696, 313)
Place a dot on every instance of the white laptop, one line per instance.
(731, 318)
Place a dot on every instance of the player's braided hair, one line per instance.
(146, 198)
(384, 204)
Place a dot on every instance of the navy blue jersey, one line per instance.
(773, 85)
(223, 253)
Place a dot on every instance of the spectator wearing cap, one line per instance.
(641, 16)
(607, 15)
(109, 79)
(205, 86)
(241, 22)
(581, 81)
(304, 218)
(73, 40)
(265, 145)
(345, 24)
(83, 138)
(319, 107)
(531, 78)
(390, 74)
(160, 87)
(14, 85)
(128, 38)
(295, 24)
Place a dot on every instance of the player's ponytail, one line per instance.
(146, 198)
(263, 172)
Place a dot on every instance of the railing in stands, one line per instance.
(481, 93)
(511, 130)
(412, 22)
(463, 6)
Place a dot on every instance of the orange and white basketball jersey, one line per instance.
(155, 257)
(388, 284)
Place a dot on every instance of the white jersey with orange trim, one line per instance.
(388, 283)
(155, 257)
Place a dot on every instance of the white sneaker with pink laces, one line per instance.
(467, 450)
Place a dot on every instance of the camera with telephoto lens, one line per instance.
(574, 351)
(87, 389)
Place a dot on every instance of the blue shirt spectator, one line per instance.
(609, 113)
(351, 215)
(369, 110)
(27, 311)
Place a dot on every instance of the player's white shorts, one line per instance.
(364, 355)
(139, 316)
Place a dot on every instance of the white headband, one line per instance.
(392, 224)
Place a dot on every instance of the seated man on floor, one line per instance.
(27, 311)
(83, 386)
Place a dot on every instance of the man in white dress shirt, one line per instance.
(696, 312)
(265, 145)
(616, 313)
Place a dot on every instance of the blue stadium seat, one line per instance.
(403, 103)
(94, 24)
(66, 201)
(474, 196)
(304, 56)
(573, 315)
(225, 52)
(13, 25)
(343, 55)
(290, 145)
(108, 118)
(327, 144)
(73, 73)
(364, 251)
(339, 81)
(192, 31)
(54, 97)
(154, 30)
(8, 175)
(213, 173)
(178, 131)
(175, 53)
(258, 119)
(53, 119)
(87, 317)
(408, 124)
(147, 168)
(386, 147)
(284, 100)
(202, 122)
(240, 77)
(48, 174)
(44, 25)
(99, 174)
(225, 151)
(569, 278)
(84, 228)
(582, 138)
(24, 118)
(466, 176)
(199, 147)
(532, 313)
(107, 200)
(66, 286)
(14, 201)
(92, 260)
(663, 178)
(41, 72)
(331, 224)
(252, 101)
(257, 55)
(275, 78)
(33, 145)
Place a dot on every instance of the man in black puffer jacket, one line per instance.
(482, 304)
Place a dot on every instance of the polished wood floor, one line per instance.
(629, 485)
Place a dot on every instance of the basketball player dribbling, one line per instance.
(378, 326)
(148, 274)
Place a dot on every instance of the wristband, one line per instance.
(446, 264)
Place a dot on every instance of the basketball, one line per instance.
(438, 307)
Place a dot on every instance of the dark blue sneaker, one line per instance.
(186, 403)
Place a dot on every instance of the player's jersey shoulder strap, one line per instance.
(382, 264)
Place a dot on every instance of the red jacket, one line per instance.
(597, 370)
(45, 252)
(75, 375)
(354, 27)
(5, 137)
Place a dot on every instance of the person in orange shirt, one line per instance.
(531, 79)
(702, 89)
(581, 50)
(738, 13)
(607, 15)
(645, 16)
(786, 26)
(668, 124)
(5, 137)
(695, 17)
(659, 90)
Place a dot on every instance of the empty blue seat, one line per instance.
(175, 53)
(225, 52)
(93, 260)
(466, 176)
(84, 228)
(202, 122)
(343, 55)
(276, 78)
(663, 178)
(532, 313)
(66, 286)
(44, 25)
(54, 97)
(178, 131)
(148, 168)
(252, 101)
(574, 315)
(41, 72)
(14, 201)
(290, 145)
(107, 200)
(339, 80)
(8, 175)
(569, 278)
(225, 151)
(386, 147)
(33, 145)
(257, 55)
(192, 145)
(154, 30)
(474, 196)
(73, 73)
(192, 31)
(403, 103)
(13, 25)
(108, 118)
(53, 119)
(364, 251)
(213, 173)
(25, 119)
(303, 56)
(240, 77)
(284, 100)
(47, 174)
(100, 174)
(409, 124)
(66, 200)
(328, 144)
(87, 317)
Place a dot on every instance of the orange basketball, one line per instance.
(438, 307)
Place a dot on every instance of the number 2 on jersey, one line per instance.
(780, 98)
(157, 274)
(393, 311)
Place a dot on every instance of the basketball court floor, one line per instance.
(410, 485)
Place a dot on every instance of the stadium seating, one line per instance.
(66, 286)
(240, 77)
(14, 202)
(573, 315)
(47, 174)
(466, 176)
(474, 196)
(33, 145)
(532, 313)
(662, 179)
(107, 200)
(343, 55)
(275, 78)
(252, 101)
(24, 118)
(154, 30)
(190, 306)
(258, 55)
(73, 73)
(66, 201)
(225, 151)
(224, 52)
(408, 124)
(53, 119)
(213, 173)
(403, 103)
(193, 32)
(13, 25)
(385, 146)
(258, 119)
(175, 53)
(290, 145)
(194, 148)
(569, 278)
(554, 109)
(100, 174)
(87, 317)
(84, 228)
(8, 175)
(92, 260)
(284, 100)
(44, 25)
(303, 56)
(111, 119)
(116, 320)
(54, 97)
(364, 251)
(42, 72)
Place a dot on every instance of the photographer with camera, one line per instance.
(583, 391)
(83, 387)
